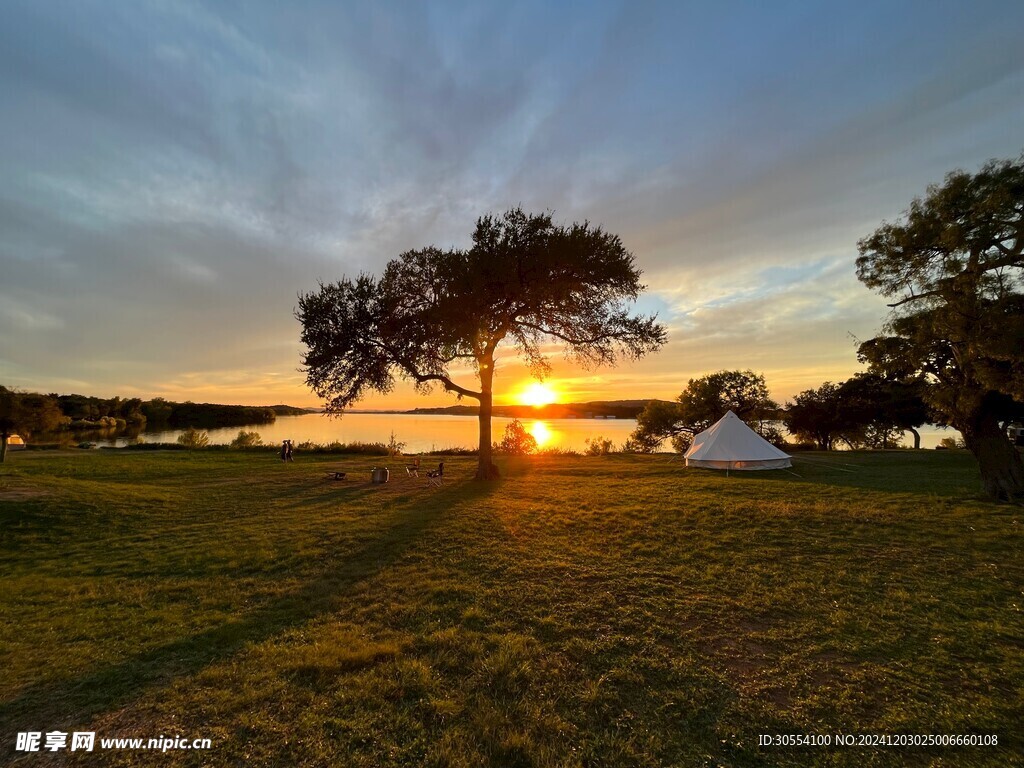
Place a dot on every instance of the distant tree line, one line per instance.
(86, 412)
(207, 415)
(31, 414)
(82, 409)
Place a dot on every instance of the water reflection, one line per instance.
(541, 433)
(420, 434)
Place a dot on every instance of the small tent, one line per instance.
(731, 444)
(15, 443)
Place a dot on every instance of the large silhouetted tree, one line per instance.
(525, 282)
(955, 265)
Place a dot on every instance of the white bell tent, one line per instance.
(731, 444)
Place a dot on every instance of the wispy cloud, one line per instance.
(173, 174)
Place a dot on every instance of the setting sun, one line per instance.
(538, 394)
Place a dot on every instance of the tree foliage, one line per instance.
(598, 446)
(701, 404)
(866, 411)
(516, 441)
(525, 282)
(658, 421)
(158, 410)
(955, 266)
(247, 440)
(27, 414)
(817, 415)
(879, 410)
(86, 408)
(86, 411)
(10, 414)
(193, 438)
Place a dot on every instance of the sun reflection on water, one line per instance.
(541, 433)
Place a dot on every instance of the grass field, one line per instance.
(583, 611)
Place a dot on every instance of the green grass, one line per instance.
(583, 611)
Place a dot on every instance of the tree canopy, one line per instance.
(26, 413)
(864, 411)
(701, 404)
(516, 441)
(818, 415)
(955, 266)
(880, 409)
(525, 282)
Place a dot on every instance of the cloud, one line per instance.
(175, 173)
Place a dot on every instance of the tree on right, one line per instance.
(954, 265)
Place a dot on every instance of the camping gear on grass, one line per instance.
(434, 478)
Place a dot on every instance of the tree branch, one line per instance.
(421, 378)
(563, 337)
(915, 297)
(448, 384)
(1011, 258)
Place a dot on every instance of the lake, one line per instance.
(420, 433)
(424, 433)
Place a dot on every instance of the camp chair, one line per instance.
(413, 470)
(434, 478)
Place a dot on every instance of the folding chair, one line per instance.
(434, 478)
(413, 470)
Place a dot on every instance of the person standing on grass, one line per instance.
(284, 451)
(288, 450)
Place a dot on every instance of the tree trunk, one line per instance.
(486, 470)
(3, 447)
(1002, 472)
(917, 437)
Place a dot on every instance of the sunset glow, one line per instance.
(537, 394)
(541, 433)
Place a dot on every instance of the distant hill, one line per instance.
(291, 410)
(619, 409)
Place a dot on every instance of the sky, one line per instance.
(174, 174)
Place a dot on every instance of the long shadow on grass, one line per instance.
(70, 702)
(920, 472)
